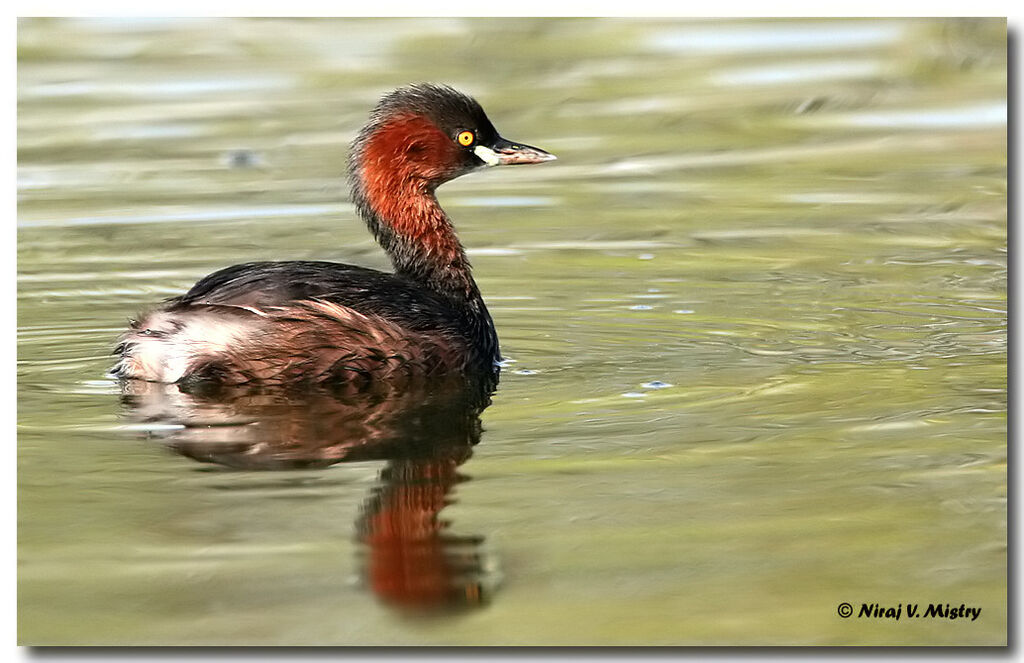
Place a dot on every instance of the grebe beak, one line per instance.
(503, 153)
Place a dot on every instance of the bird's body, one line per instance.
(306, 321)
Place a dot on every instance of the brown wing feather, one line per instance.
(308, 341)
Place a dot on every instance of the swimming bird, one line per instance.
(317, 322)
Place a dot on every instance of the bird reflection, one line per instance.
(423, 432)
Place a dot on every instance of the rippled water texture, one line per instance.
(755, 318)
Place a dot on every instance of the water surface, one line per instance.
(754, 316)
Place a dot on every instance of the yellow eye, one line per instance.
(466, 138)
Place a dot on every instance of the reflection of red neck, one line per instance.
(408, 565)
(399, 166)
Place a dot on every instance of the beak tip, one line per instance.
(537, 156)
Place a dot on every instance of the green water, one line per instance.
(799, 227)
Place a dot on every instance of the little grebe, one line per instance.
(310, 321)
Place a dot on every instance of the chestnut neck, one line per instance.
(420, 240)
(394, 169)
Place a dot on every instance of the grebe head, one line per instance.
(419, 137)
(431, 134)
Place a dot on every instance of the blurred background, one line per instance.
(754, 317)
